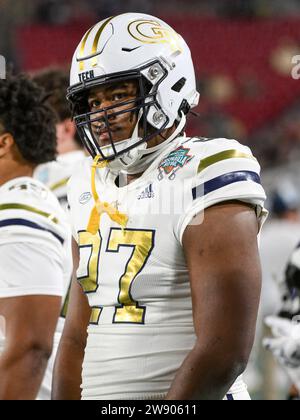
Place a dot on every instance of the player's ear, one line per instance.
(70, 127)
(6, 143)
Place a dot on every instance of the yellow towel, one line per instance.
(102, 207)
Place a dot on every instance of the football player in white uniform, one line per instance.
(34, 239)
(165, 229)
(70, 150)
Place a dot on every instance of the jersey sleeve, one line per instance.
(32, 215)
(30, 269)
(223, 170)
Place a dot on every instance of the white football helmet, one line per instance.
(133, 46)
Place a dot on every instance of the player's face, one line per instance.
(121, 125)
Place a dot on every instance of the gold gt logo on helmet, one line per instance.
(151, 32)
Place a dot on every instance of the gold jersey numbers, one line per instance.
(142, 243)
(89, 282)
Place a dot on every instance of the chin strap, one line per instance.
(102, 207)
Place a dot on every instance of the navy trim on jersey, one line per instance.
(27, 223)
(222, 181)
(229, 397)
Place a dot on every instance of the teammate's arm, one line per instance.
(68, 363)
(224, 269)
(30, 326)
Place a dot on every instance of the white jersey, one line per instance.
(136, 279)
(35, 242)
(55, 175)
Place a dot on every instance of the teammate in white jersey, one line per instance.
(55, 175)
(170, 291)
(34, 240)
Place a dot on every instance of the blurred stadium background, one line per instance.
(243, 52)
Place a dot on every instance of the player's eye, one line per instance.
(94, 103)
(118, 96)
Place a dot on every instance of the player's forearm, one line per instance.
(205, 376)
(67, 372)
(21, 375)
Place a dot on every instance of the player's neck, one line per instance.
(131, 178)
(12, 171)
(126, 179)
(64, 148)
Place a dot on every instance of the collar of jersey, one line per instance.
(20, 180)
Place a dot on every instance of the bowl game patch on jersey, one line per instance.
(174, 161)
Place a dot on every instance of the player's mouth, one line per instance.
(103, 136)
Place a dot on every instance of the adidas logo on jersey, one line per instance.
(147, 193)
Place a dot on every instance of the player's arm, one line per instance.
(31, 285)
(225, 276)
(68, 364)
(30, 326)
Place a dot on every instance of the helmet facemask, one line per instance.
(144, 105)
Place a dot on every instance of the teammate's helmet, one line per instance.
(139, 47)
